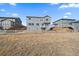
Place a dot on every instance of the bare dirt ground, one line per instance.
(39, 44)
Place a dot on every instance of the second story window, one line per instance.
(46, 19)
(31, 24)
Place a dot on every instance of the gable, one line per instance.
(13, 20)
(64, 20)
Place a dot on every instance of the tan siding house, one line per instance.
(8, 22)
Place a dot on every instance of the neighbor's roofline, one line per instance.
(76, 21)
(10, 17)
(64, 19)
(34, 17)
(4, 18)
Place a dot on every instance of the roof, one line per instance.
(37, 16)
(10, 17)
(76, 21)
(65, 19)
(4, 18)
(47, 16)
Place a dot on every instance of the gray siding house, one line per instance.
(35, 23)
(7, 22)
(63, 22)
(75, 25)
(67, 23)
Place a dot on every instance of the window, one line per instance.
(46, 19)
(46, 24)
(29, 18)
(43, 24)
(31, 24)
(43, 28)
(37, 24)
(70, 23)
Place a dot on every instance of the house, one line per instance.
(8, 22)
(63, 22)
(35, 23)
(75, 25)
(67, 23)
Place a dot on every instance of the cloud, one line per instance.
(70, 5)
(54, 3)
(15, 14)
(2, 10)
(65, 16)
(13, 4)
(12, 14)
(63, 6)
(68, 13)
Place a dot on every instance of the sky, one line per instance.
(54, 10)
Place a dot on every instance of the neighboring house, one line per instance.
(35, 23)
(63, 22)
(8, 22)
(70, 23)
(75, 25)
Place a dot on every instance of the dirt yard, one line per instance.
(40, 44)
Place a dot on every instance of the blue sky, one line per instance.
(55, 10)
